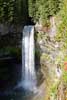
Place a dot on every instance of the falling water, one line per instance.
(28, 66)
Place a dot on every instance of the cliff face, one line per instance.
(49, 61)
(12, 29)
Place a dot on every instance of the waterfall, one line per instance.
(28, 80)
(28, 66)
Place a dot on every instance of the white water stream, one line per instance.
(28, 65)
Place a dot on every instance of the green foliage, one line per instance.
(32, 8)
(65, 71)
(62, 34)
(62, 27)
(65, 77)
(13, 10)
(6, 10)
(11, 51)
(40, 10)
(53, 88)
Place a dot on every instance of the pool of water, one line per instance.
(10, 76)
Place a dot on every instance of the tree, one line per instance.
(42, 9)
(32, 8)
(13, 10)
